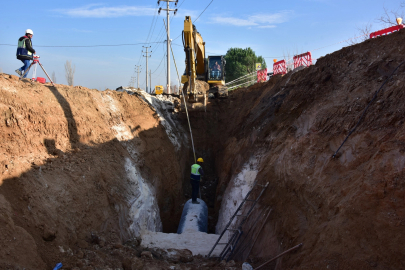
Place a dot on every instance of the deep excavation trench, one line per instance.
(84, 173)
(347, 211)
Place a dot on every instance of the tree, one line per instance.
(240, 62)
(389, 17)
(70, 72)
(363, 34)
(53, 77)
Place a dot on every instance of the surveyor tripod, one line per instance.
(36, 61)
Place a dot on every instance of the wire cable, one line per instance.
(197, 17)
(159, 64)
(365, 110)
(203, 10)
(153, 21)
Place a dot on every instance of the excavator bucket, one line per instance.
(195, 99)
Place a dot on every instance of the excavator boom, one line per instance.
(202, 76)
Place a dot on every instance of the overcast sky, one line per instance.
(271, 28)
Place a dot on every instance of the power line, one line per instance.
(181, 4)
(203, 11)
(151, 26)
(197, 17)
(159, 64)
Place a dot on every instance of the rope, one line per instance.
(365, 110)
(185, 104)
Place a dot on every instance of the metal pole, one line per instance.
(168, 48)
(46, 73)
(137, 73)
(278, 256)
(257, 236)
(146, 89)
(168, 36)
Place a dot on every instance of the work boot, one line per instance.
(18, 72)
(195, 202)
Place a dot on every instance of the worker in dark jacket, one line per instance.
(25, 51)
(196, 173)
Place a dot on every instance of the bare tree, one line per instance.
(363, 34)
(53, 77)
(288, 57)
(70, 72)
(389, 18)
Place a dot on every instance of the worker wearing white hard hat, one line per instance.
(25, 51)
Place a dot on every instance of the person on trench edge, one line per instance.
(25, 51)
(196, 173)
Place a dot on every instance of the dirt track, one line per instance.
(68, 159)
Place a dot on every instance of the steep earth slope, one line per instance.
(348, 211)
(79, 167)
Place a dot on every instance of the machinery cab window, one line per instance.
(215, 65)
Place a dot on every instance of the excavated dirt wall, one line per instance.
(81, 167)
(348, 211)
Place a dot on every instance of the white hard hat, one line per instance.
(29, 31)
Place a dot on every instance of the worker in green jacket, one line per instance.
(196, 173)
(25, 52)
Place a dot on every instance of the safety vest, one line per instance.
(22, 50)
(195, 168)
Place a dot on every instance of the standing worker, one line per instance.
(196, 173)
(25, 51)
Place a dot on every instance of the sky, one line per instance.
(273, 29)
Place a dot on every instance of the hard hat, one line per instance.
(29, 31)
(200, 160)
(399, 21)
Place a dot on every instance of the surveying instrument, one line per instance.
(36, 61)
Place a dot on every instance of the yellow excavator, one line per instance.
(201, 71)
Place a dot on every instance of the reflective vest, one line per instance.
(195, 168)
(22, 50)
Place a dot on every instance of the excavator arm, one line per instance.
(194, 47)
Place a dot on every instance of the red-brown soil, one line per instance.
(63, 180)
(64, 189)
(348, 212)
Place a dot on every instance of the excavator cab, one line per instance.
(216, 70)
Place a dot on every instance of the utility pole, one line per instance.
(150, 80)
(168, 36)
(137, 75)
(147, 65)
(132, 81)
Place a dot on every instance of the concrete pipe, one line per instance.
(194, 217)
